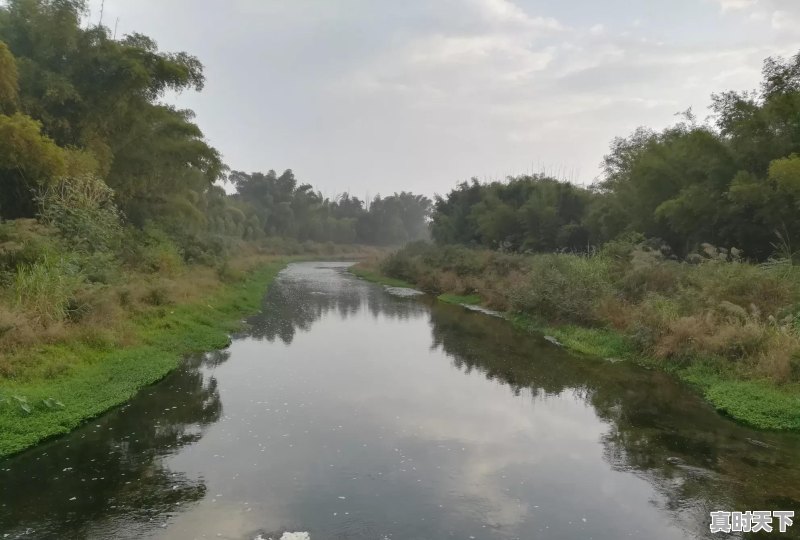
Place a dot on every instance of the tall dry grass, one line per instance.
(743, 315)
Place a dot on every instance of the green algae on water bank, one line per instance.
(756, 403)
(98, 377)
(466, 300)
(377, 277)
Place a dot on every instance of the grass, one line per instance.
(758, 403)
(460, 299)
(730, 329)
(375, 276)
(82, 330)
(599, 342)
(88, 377)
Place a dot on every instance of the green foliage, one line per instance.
(399, 266)
(601, 342)
(394, 220)
(9, 80)
(46, 288)
(785, 173)
(100, 378)
(91, 106)
(377, 277)
(730, 328)
(24, 242)
(756, 403)
(83, 210)
(564, 288)
(528, 213)
(151, 250)
(28, 161)
(468, 299)
(730, 184)
(278, 206)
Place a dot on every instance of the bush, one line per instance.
(400, 265)
(743, 317)
(228, 274)
(83, 210)
(152, 251)
(46, 288)
(157, 296)
(206, 249)
(564, 288)
(25, 242)
(746, 285)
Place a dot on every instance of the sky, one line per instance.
(377, 96)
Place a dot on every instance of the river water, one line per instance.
(346, 412)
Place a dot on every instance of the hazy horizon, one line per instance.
(371, 98)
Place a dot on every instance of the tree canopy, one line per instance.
(77, 103)
(734, 182)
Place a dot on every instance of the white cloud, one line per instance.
(784, 20)
(506, 12)
(597, 30)
(736, 5)
(419, 95)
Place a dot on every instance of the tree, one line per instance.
(9, 80)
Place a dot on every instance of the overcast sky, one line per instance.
(377, 96)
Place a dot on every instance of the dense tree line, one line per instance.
(277, 205)
(80, 112)
(527, 213)
(733, 181)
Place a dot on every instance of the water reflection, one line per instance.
(397, 418)
(696, 459)
(74, 487)
(303, 297)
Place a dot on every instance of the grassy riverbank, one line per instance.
(371, 272)
(729, 328)
(60, 385)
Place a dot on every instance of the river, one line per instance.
(346, 412)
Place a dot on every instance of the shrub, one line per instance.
(24, 242)
(151, 250)
(206, 249)
(227, 274)
(700, 336)
(157, 296)
(780, 360)
(99, 267)
(746, 285)
(741, 316)
(400, 265)
(647, 273)
(564, 288)
(45, 289)
(82, 209)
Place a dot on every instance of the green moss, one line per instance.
(470, 299)
(376, 277)
(95, 379)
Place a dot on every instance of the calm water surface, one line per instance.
(349, 413)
